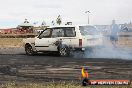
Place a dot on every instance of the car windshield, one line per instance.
(88, 30)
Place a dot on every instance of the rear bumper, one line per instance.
(86, 48)
(78, 49)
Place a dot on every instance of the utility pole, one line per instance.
(88, 12)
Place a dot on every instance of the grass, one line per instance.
(11, 42)
(125, 41)
(59, 85)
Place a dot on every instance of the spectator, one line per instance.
(114, 33)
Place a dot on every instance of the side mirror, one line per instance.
(39, 37)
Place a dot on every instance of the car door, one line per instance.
(44, 41)
(70, 36)
(57, 34)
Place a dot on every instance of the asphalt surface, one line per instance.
(16, 66)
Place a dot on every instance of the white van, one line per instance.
(63, 39)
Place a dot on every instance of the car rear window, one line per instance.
(88, 30)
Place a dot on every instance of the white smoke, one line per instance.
(109, 51)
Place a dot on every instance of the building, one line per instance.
(25, 27)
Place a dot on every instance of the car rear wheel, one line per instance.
(64, 51)
(29, 50)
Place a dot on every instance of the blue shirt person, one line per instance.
(114, 33)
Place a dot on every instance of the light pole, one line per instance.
(88, 15)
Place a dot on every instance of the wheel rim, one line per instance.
(63, 52)
(29, 50)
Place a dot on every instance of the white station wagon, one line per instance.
(63, 39)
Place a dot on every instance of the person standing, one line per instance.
(114, 33)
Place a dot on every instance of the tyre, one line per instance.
(29, 50)
(64, 51)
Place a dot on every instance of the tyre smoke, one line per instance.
(110, 51)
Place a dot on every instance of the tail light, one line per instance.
(80, 42)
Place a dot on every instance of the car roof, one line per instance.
(61, 26)
(70, 25)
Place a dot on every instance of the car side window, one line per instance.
(45, 34)
(57, 32)
(70, 32)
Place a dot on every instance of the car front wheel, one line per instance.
(29, 50)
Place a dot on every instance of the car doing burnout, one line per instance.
(63, 39)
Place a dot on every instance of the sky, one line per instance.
(13, 12)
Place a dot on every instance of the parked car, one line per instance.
(63, 39)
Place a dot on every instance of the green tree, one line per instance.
(59, 20)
